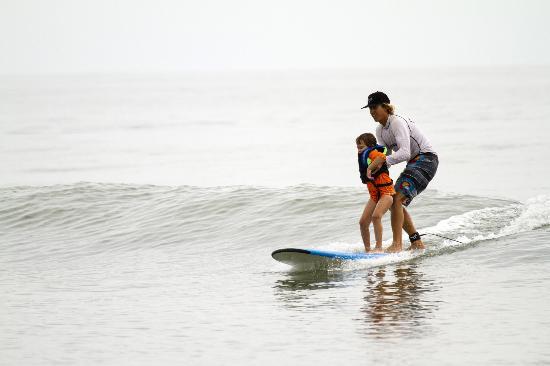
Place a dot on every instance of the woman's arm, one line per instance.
(375, 165)
(402, 140)
(381, 141)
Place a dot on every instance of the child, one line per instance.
(374, 172)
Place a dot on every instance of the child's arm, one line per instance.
(375, 165)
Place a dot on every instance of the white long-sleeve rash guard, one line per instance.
(403, 139)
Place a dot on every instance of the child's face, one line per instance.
(361, 145)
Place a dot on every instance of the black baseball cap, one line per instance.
(376, 98)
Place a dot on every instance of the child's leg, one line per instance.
(384, 203)
(365, 221)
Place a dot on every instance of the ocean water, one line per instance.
(138, 214)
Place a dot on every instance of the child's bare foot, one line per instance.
(417, 245)
(394, 248)
(377, 250)
(367, 249)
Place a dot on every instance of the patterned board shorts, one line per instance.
(416, 176)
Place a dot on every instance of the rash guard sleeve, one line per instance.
(402, 139)
(380, 140)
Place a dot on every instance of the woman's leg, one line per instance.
(413, 181)
(408, 226)
(397, 223)
(365, 221)
(384, 203)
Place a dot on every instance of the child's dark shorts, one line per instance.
(417, 174)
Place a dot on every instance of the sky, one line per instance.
(74, 36)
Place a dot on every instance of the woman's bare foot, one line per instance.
(417, 245)
(367, 249)
(394, 248)
(377, 250)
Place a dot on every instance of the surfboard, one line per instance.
(312, 259)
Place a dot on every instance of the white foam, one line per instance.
(495, 222)
(535, 214)
(381, 261)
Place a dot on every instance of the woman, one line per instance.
(404, 139)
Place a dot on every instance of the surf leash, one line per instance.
(441, 236)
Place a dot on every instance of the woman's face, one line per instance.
(378, 113)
